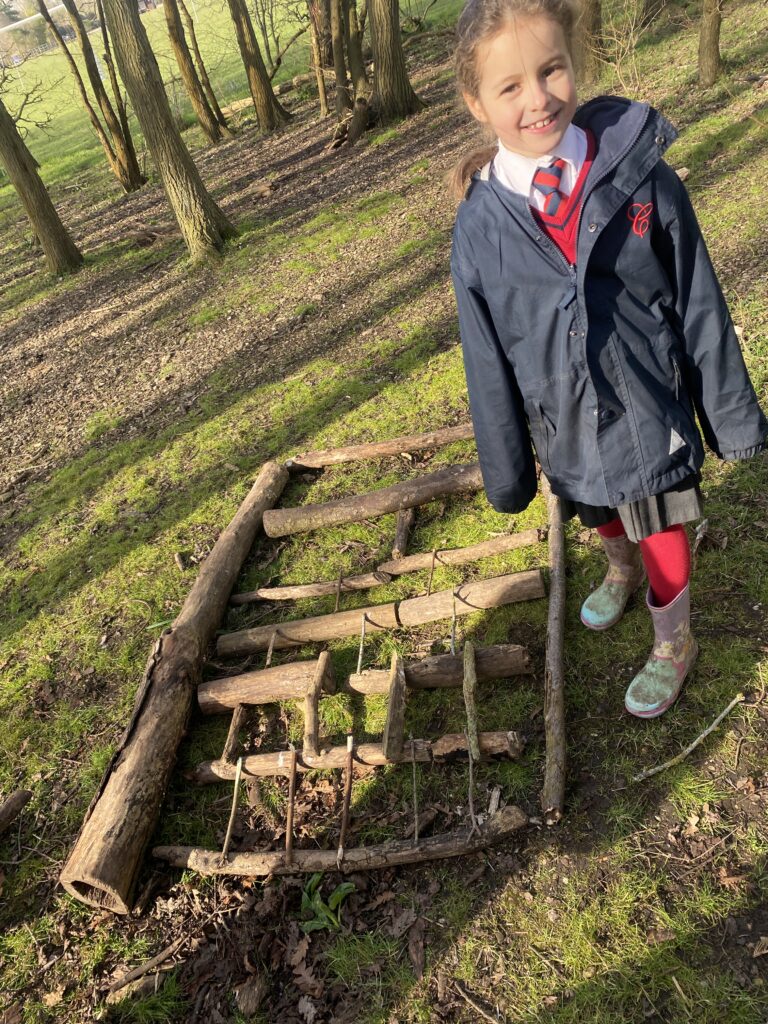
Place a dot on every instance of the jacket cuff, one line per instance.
(744, 453)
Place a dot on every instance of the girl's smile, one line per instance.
(526, 91)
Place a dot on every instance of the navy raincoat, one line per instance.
(604, 364)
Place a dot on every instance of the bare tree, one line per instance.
(317, 60)
(269, 113)
(201, 69)
(710, 62)
(206, 118)
(589, 46)
(353, 37)
(122, 113)
(393, 95)
(343, 97)
(120, 157)
(203, 225)
(61, 253)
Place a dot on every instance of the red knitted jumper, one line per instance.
(561, 226)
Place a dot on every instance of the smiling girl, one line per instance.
(593, 326)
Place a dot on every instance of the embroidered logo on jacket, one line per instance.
(640, 215)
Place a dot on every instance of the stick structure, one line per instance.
(414, 611)
(103, 866)
(312, 706)
(381, 449)
(281, 522)
(470, 691)
(452, 746)
(321, 589)
(290, 681)
(450, 844)
(553, 790)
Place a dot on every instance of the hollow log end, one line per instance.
(94, 892)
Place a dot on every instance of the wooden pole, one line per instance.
(470, 703)
(381, 449)
(394, 727)
(290, 681)
(324, 589)
(462, 556)
(470, 597)
(103, 866)
(281, 522)
(496, 828)
(405, 520)
(312, 706)
(450, 747)
(553, 790)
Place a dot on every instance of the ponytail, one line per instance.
(461, 174)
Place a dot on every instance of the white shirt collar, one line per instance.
(516, 171)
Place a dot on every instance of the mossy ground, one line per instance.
(616, 916)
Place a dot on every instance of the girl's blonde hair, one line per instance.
(479, 21)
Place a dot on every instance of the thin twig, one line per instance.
(271, 648)
(453, 627)
(469, 998)
(233, 811)
(415, 795)
(475, 827)
(338, 590)
(431, 571)
(346, 800)
(149, 965)
(289, 814)
(364, 619)
(738, 699)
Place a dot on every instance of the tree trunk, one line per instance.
(61, 253)
(318, 64)
(201, 69)
(354, 38)
(269, 113)
(203, 225)
(205, 116)
(393, 95)
(132, 160)
(588, 48)
(710, 62)
(123, 159)
(343, 98)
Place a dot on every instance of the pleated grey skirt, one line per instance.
(641, 519)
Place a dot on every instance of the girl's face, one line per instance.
(527, 92)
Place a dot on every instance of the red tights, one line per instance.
(667, 560)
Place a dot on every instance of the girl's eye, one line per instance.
(509, 88)
(552, 69)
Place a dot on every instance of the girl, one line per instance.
(591, 320)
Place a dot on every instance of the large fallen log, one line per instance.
(450, 747)
(414, 611)
(280, 522)
(553, 790)
(458, 843)
(104, 863)
(381, 449)
(290, 681)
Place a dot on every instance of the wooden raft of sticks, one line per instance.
(104, 863)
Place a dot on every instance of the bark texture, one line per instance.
(414, 611)
(206, 118)
(452, 480)
(588, 45)
(202, 224)
(459, 843)
(710, 62)
(202, 71)
(61, 254)
(553, 790)
(343, 97)
(382, 449)
(393, 95)
(105, 861)
(269, 112)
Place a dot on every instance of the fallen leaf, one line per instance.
(402, 922)
(306, 982)
(730, 881)
(55, 996)
(300, 952)
(307, 1009)
(12, 1015)
(761, 946)
(416, 947)
(251, 994)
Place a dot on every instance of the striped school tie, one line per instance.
(547, 181)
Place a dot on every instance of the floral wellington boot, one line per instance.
(605, 606)
(657, 685)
